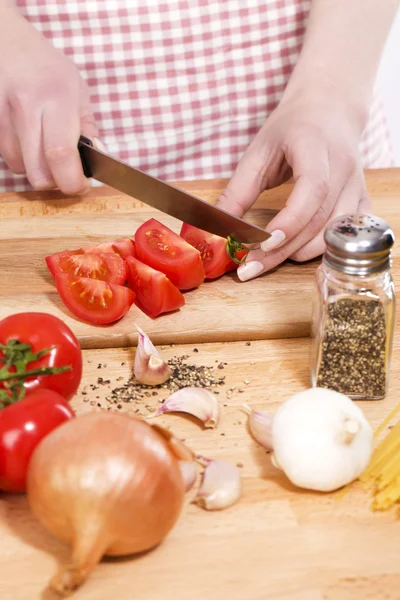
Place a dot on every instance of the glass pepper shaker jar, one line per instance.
(354, 308)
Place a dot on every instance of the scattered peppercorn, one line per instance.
(183, 375)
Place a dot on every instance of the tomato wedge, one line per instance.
(105, 266)
(215, 259)
(124, 247)
(94, 301)
(155, 294)
(161, 248)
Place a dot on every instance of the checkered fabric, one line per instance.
(180, 87)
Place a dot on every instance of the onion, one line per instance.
(107, 484)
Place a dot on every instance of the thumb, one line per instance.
(245, 185)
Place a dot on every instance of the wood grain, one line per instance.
(277, 543)
(275, 305)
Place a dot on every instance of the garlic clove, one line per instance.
(221, 486)
(149, 368)
(260, 425)
(189, 473)
(198, 402)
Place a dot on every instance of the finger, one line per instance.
(317, 186)
(10, 149)
(243, 188)
(309, 243)
(259, 168)
(365, 206)
(28, 128)
(61, 130)
(353, 198)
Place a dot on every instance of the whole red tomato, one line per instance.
(22, 426)
(42, 331)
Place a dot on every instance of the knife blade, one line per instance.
(165, 197)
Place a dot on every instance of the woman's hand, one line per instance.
(44, 107)
(314, 132)
(316, 141)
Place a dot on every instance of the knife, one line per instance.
(165, 197)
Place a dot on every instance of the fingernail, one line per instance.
(99, 144)
(250, 270)
(277, 238)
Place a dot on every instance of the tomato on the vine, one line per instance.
(43, 345)
(22, 426)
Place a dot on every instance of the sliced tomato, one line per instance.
(155, 294)
(161, 248)
(124, 247)
(212, 249)
(92, 300)
(105, 266)
(53, 259)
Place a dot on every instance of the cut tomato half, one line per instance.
(105, 266)
(212, 249)
(161, 248)
(92, 300)
(155, 294)
(124, 247)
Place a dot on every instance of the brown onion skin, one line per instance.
(107, 484)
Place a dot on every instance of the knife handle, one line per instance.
(81, 145)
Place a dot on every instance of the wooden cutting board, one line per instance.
(277, 543)
(275, 305)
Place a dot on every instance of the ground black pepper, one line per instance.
(183, 375)
(353, 349)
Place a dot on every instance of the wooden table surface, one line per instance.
(278, 542)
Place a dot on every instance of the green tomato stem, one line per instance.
(14, 371)
(233, 246)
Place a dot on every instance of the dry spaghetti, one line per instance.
(382, 476)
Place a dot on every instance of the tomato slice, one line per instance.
(161, 248)
(124, 247)
(215, 259)
(93, 300)
(105, 266)
(155, 294)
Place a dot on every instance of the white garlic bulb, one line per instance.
(321, 439)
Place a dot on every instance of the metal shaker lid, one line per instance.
(358, 244)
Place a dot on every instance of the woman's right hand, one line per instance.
(44, 107)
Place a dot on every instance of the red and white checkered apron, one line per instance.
(180, 87)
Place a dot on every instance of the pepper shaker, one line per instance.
(354, 308)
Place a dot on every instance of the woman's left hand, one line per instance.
(315, 141)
